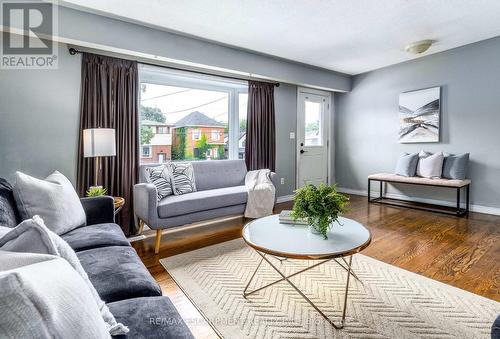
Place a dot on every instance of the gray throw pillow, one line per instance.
(43, 297)
(53, 199)
(32, 236)
(182, 177)
(407, 165)
(430, 165)
(455, 166)
(161, 177)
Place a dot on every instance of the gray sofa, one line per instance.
(220, 192)
(115, 270)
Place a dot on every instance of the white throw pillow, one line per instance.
(53, 199)
(430, 165)
(45, 298)
(32, 236)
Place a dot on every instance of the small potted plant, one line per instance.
(320, 206)
(96, 191)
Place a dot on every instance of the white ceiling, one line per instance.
(350, 36)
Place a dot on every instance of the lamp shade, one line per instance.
(99, 142)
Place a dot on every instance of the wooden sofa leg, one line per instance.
(141, 226)
(157, 242)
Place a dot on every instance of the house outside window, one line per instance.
(146, 151)
(199, 113)
(196, 134)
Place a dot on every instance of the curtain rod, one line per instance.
(73, 51)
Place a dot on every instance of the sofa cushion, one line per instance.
(8, 210)
(211, 174)
(183, 179)
(44, 297)
(161, 177)
(53, 199)
(117, 273)
(32, 236)
(202, 200)
(95, 236)
(153, 317)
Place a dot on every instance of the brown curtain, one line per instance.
(260, 144)
(109, 99)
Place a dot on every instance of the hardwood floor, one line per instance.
(462, 252)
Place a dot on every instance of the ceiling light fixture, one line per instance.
(419, 47)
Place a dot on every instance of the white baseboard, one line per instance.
(285, 198)
(473, 208)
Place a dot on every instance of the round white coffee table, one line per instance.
(271, 238)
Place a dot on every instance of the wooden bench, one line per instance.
(447, 183)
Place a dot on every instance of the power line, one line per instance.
(166, 95)
(190, 108)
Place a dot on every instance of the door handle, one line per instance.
(302, 151)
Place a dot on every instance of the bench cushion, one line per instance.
(175, 205)
(117, 273)
(421, 181)
(95, 236)
(153, 317)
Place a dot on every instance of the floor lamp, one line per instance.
(98, 142)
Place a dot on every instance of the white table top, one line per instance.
(297, 242)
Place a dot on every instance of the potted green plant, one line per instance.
(96, 191)
(320, 206)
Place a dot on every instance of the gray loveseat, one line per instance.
(220, 192)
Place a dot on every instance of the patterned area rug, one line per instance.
(389, 303)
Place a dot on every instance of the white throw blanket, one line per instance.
(261, 192)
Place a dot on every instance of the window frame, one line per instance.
(163, 76)
(150, 147)
(160, 129)
(197, 132)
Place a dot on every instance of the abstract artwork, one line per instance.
(419, 115)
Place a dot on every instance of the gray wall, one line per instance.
(366, 125)
(90, 28)
(285, 98)
(39, 119)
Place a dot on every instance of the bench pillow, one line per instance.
(161, 177)
(455, 166)
(430, 165)
(407, 165)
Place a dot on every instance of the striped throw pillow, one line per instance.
(161, 177)
(182, 177)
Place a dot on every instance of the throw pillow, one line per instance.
(53, 199)
(430, 165)
(32, 236)
(162, 179)
(182, 177)
(407, 165)
(43, 297)
(455, 166)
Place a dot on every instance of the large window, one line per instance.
(189, 116)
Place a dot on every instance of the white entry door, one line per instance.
(313, 116)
